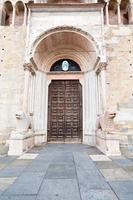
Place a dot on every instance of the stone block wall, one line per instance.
(12, 44)
(119, 78)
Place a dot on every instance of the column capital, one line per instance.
(29, 67)
(102, 66)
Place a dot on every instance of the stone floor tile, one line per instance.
(6, 182)
(20, 163)
(30, 177)
(18, 197)
(91, 179)
(127, 196)
(94, 194)
(124, 162)
(7, 159)
(115, 174)
(37, 167)
(59, 171)
(23, 188)
(129, 170)
(99, 158)
(106, 165)
(59, 190)
(11, 171)
(28, 156)
(117, 157)
(123, 187)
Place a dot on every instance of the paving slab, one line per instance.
(116, 174)
(59, 190)
(18, 197)
(11, 171)
(99, 158)
(28, 156)
(95, 194)
(66, 172)
(122, 187)
(60, 171)
(124, 162)
(106, 165)
(37, 167)
(126, 196)
(91, 179)
(6, 182)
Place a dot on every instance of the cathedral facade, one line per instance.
(66, 73)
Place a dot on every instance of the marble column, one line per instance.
(101, 73)
(118, 11)
(107, 12)
(28, 73)
(13, 15)
(90, 108)
(40, 99)
(25, 15)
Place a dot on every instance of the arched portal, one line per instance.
(51, 51)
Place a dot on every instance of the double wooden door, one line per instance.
(65, 111)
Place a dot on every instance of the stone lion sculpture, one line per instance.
(105, 122)
(23, 123)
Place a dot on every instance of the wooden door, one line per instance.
(65, 110)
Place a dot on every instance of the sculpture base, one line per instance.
(108, 143)
(20, 143)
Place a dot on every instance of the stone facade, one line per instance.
(42, 33)
(12, 44)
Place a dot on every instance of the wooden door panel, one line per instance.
(64, 110)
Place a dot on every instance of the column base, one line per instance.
(108, 143)
(40, 137)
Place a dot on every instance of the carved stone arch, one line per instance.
(63, 43)
(7, 12)
(65, 28)
(19, 13)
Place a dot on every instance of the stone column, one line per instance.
(13, 15)
(130, 12)
(25, 15)
(107, 12)
(118, 11)
(90, 108)
(101, 72)
(103, 85)
(28, 72)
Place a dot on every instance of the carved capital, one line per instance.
(28, 67)
(101, 66)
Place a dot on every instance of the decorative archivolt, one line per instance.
(65, 43)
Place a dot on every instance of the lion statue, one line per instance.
(105, 122)
(23, 123)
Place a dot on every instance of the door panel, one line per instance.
(64, 110)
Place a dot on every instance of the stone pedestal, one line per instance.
(108, 143)
(20, 143)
